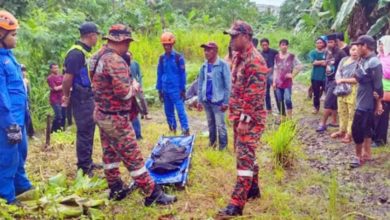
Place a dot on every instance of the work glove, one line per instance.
(14, 134)
(161, 97)
(183, 95)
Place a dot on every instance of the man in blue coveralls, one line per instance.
(13, 106)
(171, 83)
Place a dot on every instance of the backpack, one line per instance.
(177, 59)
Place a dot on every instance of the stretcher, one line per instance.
(180, 176)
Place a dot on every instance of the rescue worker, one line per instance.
(114, 89)
(171, 83)
(81, 97)
(246, 108)
(13, 107)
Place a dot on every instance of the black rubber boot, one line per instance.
(159, 197)
(186, 132)
(171, 129)
(230, 210)
(118, 191)
(254, 192)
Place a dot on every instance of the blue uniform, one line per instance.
(171, 81)
(13, 107)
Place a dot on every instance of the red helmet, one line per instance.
(168, 38)
(8, 21)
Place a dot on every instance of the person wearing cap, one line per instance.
(171, 83)
(333, 58)
(13, 107)
(213, 93)
(269, 55)
(246, 111)
(115, 89)
(77, 92)
(369, 75)
(318, 77)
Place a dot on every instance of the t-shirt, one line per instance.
(76, 65)
(269, 57)
(318, 72)
(333, 58)
(54, 81)
(284, 66)
(369, 76)
(209, 85)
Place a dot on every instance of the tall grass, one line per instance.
(280, 142)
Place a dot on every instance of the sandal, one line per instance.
(333, 125)
(355, 163)
(337, 134)
(347, 139)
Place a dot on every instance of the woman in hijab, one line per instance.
(382, 121)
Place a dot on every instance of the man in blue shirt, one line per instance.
(213, 92)
(13, 107)
(171, 83)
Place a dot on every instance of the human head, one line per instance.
(168, 39)
(332, 41)
(210, 51)
(8, 27)
(119, 37)
(255, 42)
(366, 44)
(354, 51)
(283, 45)
(241, 35)
(53, 68)
(320, 43)
(264, 43)
(89, 33)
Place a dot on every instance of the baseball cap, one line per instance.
(365, 39)
(209, 44)
(88, 27)
(239, 27)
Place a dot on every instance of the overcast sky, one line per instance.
(269, 2)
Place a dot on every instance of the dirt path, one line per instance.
(368, 186)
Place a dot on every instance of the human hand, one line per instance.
(243, 127)
(224, 107)
(14, 134)
(65, 101)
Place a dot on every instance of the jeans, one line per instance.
(137, 127)
(284, 99)
(216, 123)
(268, 93)
(83, 106)
(59, 117)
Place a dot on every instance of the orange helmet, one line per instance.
(168, 38)
(8, 21)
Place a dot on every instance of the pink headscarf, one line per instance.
(384, 56)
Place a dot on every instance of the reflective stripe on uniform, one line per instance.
(111, 166)
(138, 172)
(248, 173)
